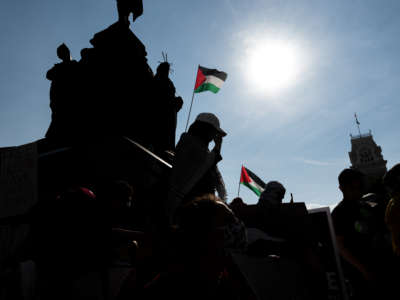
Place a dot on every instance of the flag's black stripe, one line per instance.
(255, 178)
(221, 75)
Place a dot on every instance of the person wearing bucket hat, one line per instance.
(211, 119)
(195, 167)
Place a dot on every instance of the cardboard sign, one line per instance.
(18, 179)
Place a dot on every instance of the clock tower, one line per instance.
(366, 155)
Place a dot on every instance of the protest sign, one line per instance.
(323, 234)
(18, 179)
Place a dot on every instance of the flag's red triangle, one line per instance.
(199, 79)
(244, 177)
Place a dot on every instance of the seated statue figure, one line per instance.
(126, 7)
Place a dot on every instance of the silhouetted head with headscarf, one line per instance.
(273, 194)
(163, 69)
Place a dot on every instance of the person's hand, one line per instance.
(218, 143)
(178, 103)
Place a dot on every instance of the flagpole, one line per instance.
(239, 181)
(191, 103)
(190, 111)
(358, 123)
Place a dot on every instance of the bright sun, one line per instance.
(273, 65)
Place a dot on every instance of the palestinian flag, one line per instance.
(252, 181)
(209, 80)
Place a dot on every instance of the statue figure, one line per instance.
(167, 106)
(62, 77)
(64, 54)
(126, 7)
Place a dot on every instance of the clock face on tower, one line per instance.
(365, 155)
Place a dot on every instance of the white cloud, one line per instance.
(315, 162)
(318, 162)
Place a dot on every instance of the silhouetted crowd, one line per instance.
(367, 234)
(180, 239)
(88, 244)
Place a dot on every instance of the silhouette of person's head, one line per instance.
(163, 69)
(273, 194)
(203, 130)
(63, 53)
(207, 127)
(205, 224)
(351, 184)
(392, 181)
(85, 53)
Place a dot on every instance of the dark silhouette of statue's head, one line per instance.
(63, 53)
(127, 7)
(163, 69)
(85, 52)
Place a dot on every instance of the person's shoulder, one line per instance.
(341, 218)
(183, 138)
(184, 141)
(51, 74)
(189, 139)
(339, 208)
(343, 212)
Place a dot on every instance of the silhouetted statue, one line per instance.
(167, 108)
(120, 84)
(109, 92)
(62, 93)
(126, 7)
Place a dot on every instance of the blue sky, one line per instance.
(298, 135)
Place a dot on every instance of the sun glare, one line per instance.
(273, 65)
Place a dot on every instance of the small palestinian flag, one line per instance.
(252, 181)
(209, 80)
